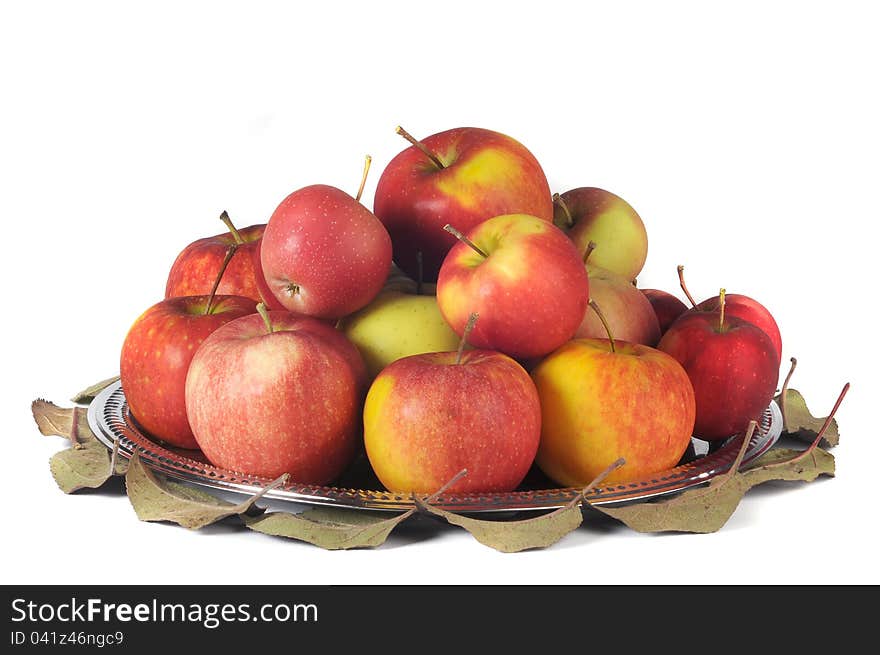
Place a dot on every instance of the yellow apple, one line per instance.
(398, 324)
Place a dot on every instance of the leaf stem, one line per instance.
(782, 399)
(367, 161)
(613, 466)
(595, 307)
(455, 478)
(232, 229)
(684, 286)
(114, 456)
(744, 446)
(421, 146)
(468, 328)
(822, 430)
(74, 429)
(461, 237)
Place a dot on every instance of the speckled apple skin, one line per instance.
(331, 247)
(734, 370)
(156, 355)
(531, 292)
(286, 402)
(426, 418)
(627, 310)
(487, 174)
(597, 406)
(749, 310)
(196, 267)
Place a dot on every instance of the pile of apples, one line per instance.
(472, 320)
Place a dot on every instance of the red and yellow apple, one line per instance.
(599, 404)
(195, 268)
(324, 254)
(523, 277)
(275, 394)
(427, 417)
(592, 214)
(156, 355)
(628, 312)
(472, 174)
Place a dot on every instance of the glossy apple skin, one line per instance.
(749, 310)
(324, 254)
(487, 174)
(426, 418)
(628, 312)
(156, 355)
(196, 267)
(286, 402)
(666, 307)
(531, 292)
(597, 405)
(396, 325)
(733, 369)
(611, 222)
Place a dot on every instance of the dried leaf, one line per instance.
(332, 528)
(514, 536)
(707, 509)
(800, 423)
(80, 468)
(53, 420)
(88, 394)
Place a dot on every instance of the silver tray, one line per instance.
(111, 421)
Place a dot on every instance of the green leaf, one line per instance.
(156, 498)
(801, 424)
(332, 528)
(517, 535)
(707, 509)
(69, 422)
(88, 394)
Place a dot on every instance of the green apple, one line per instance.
(398, 323)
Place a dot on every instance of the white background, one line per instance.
(746, 137)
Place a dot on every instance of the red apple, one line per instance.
(429, 416)
(628, 312)
(460, 177)
(523, 277)
(592, 214)
(666, 307)
(749, 310)
(156, 355)
(600, 402)
(733, 366)
(324, 254)
(275, 394)
(195, 268)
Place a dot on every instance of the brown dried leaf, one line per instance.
(514, 536)
(801, 424)
(80, 468)
(156, 498)
(332, 528)
(53, 420)
(707, 509)
(88, 394)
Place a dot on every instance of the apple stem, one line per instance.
(684, 286)
(264, 313)
(721, 294)
(230, 252)
(472, 321)
(782, 400)
(232, 229)
(595, 307)
(591, 246)
(420, 265)
(557, 200)
(455, 478)
(461, 237)
(421, 146)
(367, 161)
